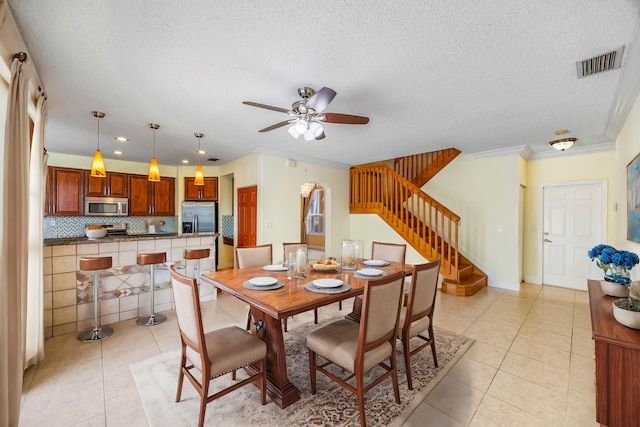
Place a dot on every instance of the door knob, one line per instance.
(548, 241)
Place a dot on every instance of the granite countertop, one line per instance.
(131, 237)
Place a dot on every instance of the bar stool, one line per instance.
(197, 255)
(96, 265)
(152, 260)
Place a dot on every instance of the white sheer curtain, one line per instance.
(34, 334)
(14, 250)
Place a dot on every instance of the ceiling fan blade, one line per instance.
(321, 99)
(268, 107)
(346, 119)
(276, 126)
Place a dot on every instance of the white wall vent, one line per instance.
(598, 64)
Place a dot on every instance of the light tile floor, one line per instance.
(531, 364)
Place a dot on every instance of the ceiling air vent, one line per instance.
(598, 64)
(212, 159)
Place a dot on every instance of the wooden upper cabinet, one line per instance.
(139, 195)
(113, 185)
(206, 192)
(164, 199)
(65, 193)
(151, 198)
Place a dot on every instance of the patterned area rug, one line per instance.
(332, 405)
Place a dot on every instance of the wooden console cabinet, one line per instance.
(617, 356)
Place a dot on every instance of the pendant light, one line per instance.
(199, 180)
(97, 167)
(154, 171)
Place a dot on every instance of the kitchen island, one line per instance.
(124, 291)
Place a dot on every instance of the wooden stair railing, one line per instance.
(409, 211)
(420, 168)
(429, 227)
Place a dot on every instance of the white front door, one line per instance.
(573, 224)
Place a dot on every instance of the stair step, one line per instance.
(464, 287)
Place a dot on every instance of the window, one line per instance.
(315, 217)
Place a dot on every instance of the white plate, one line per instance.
(372, 272)
(327, 283)
(275, 267)
(375, 262)
(263, 281)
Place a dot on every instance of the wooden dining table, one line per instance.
(270, 307)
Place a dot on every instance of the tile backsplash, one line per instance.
(73, 226)
(227, 226)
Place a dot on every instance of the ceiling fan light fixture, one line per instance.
(301, 126)
(563, 144)
(294, 133)
(316, 128)
(97, 167)
(154, 170)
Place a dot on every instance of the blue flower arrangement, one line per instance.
(608, 258)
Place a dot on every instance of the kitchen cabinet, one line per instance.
(113, 185)
(206, 192)
(151, 198)
(65, 191)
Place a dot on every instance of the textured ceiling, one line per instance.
(480, 76)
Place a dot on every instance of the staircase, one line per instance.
(430, 228)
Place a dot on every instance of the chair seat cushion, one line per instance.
(230, 348)
(418, 326)
(338, 342)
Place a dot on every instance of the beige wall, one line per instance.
(484, 193)
(627, 147)
(570, 169)
(279, 202)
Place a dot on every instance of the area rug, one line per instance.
(332, 405)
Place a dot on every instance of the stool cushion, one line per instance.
(156, 258)
(97, 263)
(196, 253)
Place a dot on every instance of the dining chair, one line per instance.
(358, 347)
(214, 353)
(288, 248)
(390, 252)
(416, 317)
(253, 256)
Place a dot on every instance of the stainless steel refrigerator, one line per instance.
(199, 217)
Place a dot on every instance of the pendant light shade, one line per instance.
(199, 179)
(199, 175)
(154, 171)
(97, 167)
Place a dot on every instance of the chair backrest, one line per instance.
(390, 252)
(254, 256)
(422, 291)
(187, 301)
(380, 311)
(291, 247)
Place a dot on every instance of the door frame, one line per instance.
(540, 231)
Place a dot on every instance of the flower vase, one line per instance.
(617, 274)
(614, 289)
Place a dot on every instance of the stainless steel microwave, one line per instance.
(106, 206)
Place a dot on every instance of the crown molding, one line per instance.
(522, 150)
(301, 157)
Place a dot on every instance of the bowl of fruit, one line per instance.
(95, 232)
(326, 264)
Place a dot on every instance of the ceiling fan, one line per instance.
(308, 114)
